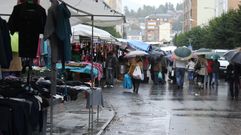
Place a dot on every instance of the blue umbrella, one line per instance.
(139, 45)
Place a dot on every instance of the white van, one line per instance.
(223, 62)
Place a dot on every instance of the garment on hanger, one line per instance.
(50, 28)
(63, 29)
(5, 45)
(28, 19)
(58, 26)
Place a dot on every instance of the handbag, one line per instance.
(172, 73)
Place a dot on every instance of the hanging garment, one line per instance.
(63, 29)
(49, 32)
(29, 20)
(5, 45)
(36, 61)
(14, 42)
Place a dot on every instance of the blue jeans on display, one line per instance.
(109, 76)
(180, 72)
(190, 75)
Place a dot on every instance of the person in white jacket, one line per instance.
(190, 68)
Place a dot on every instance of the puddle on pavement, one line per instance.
(80, 112)
(229, 116)
(201, 109)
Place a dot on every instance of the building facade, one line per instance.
(154, 24)
(233, 4)
(198, 13)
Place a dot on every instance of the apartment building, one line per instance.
(154, 24)
(200, 12)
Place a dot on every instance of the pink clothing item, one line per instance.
(36, 61)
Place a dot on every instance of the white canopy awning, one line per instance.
(85, 30)
(103, 14)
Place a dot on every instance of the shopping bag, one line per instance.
(172, 73)
(160, 75)
(142, 76)
(137, 73)
(127, 82)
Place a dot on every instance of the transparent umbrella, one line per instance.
(135, 53)
(213, 56)
(202, 51)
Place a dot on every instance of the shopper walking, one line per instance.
(136, 81)
(111, 62)
(190, 69)
(180, 72)
(216, 66)
(210, 72)
(233, 75)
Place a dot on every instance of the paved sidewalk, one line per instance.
(72, 118)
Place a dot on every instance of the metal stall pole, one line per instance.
(53, 92)
(92, 74)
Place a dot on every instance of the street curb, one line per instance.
(108, 122)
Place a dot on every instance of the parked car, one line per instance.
(223, 62)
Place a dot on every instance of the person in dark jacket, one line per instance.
(111, 62)
(216, 66)
(233, 77)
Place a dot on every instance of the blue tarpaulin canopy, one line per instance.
(139, 45)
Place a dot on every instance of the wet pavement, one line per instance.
(166, 110)
(72, 118)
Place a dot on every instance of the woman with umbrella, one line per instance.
(136, 81)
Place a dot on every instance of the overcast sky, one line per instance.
(135, 4)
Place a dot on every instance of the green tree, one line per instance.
(112, 31)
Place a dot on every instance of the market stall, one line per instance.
(78, 16)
